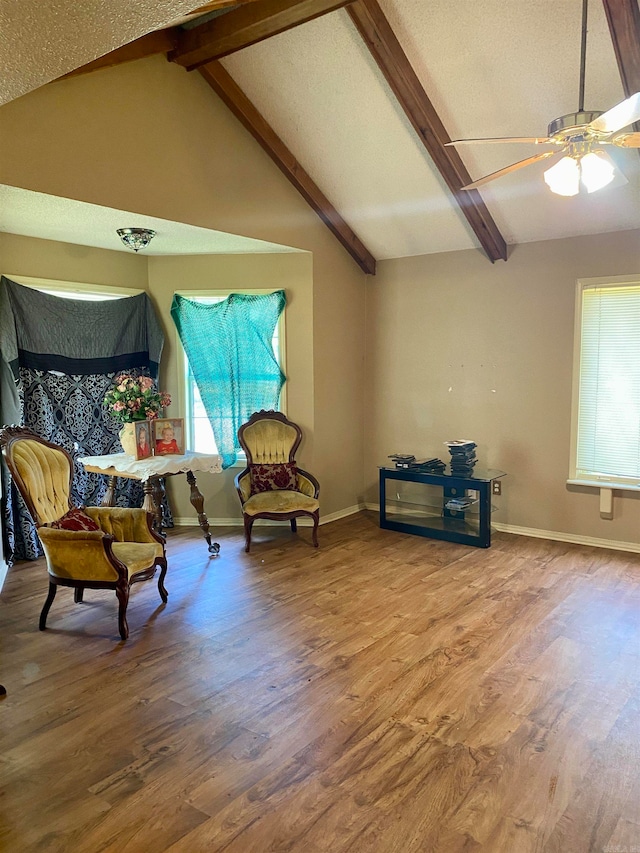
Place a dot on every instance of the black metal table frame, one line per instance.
(453, 486)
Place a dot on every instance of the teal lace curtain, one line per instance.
(228, 345)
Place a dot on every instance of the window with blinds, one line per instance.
(607, 408)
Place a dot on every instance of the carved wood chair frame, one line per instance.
(276, 516)
(9, 437)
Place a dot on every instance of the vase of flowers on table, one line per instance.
(134, 398)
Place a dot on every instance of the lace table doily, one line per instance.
(155, 466)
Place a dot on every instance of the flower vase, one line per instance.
(127, 436)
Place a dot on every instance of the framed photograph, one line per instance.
(144, 445)
(168, 436)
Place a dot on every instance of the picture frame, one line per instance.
(168, 436)
(144, 442)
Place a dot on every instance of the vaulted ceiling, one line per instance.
(356, 100)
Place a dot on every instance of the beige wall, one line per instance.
(149, 137)
(291, 272)
(69, 262)
(455, 346)
(460, 348)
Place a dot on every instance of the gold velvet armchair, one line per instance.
(123, 551)
(270, 441)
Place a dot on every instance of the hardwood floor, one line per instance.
(383, 693)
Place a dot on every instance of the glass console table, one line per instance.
(455, 507)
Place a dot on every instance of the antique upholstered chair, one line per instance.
(272, 486)
(117, 546)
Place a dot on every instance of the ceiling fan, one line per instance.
(578, 140)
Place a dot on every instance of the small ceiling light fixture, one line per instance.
(136, 238)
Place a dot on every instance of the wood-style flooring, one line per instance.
(383, 693)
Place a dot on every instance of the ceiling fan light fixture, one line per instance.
(579, 135)
(564, 177)
(596, 170)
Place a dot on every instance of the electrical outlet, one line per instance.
(496, 487)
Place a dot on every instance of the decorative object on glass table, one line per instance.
(463, 455)
(460, 504)
(433, 465)
(402, 460)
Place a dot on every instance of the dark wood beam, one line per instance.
(623, 17)
(242, 27)
(214, 5)
(385, 48)
(159, 41)
(226, 88)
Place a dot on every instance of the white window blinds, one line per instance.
(608, 423)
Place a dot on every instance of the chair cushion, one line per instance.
(280, 500)
(75, 519)
(270, 478)
(137, 556)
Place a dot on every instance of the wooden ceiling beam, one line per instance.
(245, 26)
(159, 41)
(623, 17)
(214, 5)
(227, 89)
(385, 48)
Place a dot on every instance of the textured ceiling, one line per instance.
(43, 39)
(33, 214)
(491, 68)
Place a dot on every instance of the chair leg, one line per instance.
(294, 524)
(248, 524)
(47, 605)
(164, 595)
(316, 520)
(78, 594)
(123, 600)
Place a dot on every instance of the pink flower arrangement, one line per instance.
(135, 398)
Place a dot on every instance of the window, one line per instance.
(73, 289)
(606, 399)
(197, 425)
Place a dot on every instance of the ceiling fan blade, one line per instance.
(627, 140)
(536, 140)
(622, 115)
(512, 168)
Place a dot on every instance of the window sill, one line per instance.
(606, 484)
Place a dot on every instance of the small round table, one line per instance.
(149, 472)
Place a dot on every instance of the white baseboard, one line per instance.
(573, 538)
(342, 513)
(554, 535)
(4, 568)
(191, 521)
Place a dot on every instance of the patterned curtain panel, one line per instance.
(230, 352)
(59, 357)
